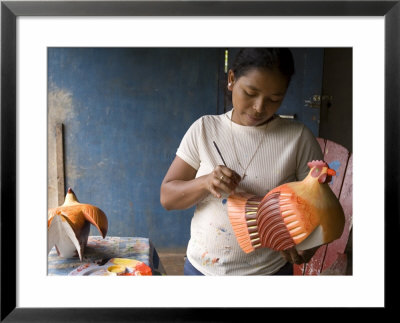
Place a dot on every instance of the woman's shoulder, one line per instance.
(284, 124)
(289, 128)
(215, 117)
(212, 119)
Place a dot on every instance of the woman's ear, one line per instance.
(231, 80)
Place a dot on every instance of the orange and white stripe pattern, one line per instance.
(242, 210)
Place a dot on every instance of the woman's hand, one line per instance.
(222, 179)
(298, 257)
(181, 189)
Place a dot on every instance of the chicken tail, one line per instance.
(242, 212)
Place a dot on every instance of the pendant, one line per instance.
(244, 175)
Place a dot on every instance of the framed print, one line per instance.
(191, 24)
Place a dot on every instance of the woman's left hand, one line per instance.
(298, 257)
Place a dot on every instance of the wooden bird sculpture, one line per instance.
(304, 214)
(69, 225)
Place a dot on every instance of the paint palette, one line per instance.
(114, 267)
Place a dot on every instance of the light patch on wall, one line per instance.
(59, 110)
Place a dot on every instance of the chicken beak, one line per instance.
(331, 172)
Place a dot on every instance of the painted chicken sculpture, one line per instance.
(69, 225)
(302, 214)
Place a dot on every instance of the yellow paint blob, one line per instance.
(125, 262)
(117, 269)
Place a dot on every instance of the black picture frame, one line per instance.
(10, 10)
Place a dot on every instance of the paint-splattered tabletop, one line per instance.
(99, 251)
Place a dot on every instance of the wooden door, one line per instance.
(337, 97)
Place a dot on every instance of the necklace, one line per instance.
(236, 155)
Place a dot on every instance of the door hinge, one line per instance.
(315, 100)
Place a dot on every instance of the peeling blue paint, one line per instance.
(335, 165)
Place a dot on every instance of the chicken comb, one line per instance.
(314, 163)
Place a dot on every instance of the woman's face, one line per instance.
(256, 95)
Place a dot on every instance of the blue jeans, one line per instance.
(189, 270)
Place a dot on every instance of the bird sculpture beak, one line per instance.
(331, 172)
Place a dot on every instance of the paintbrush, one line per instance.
(219, 153)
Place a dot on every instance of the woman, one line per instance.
(258, 151)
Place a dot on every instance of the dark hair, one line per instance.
(248, 58)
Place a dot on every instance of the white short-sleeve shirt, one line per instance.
(281, 148)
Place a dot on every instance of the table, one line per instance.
(99, 251)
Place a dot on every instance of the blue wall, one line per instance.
(130, 109)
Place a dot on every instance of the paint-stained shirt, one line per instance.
(281, 148)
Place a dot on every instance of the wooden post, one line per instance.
(60, 163)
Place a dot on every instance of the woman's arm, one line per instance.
(181, 190)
